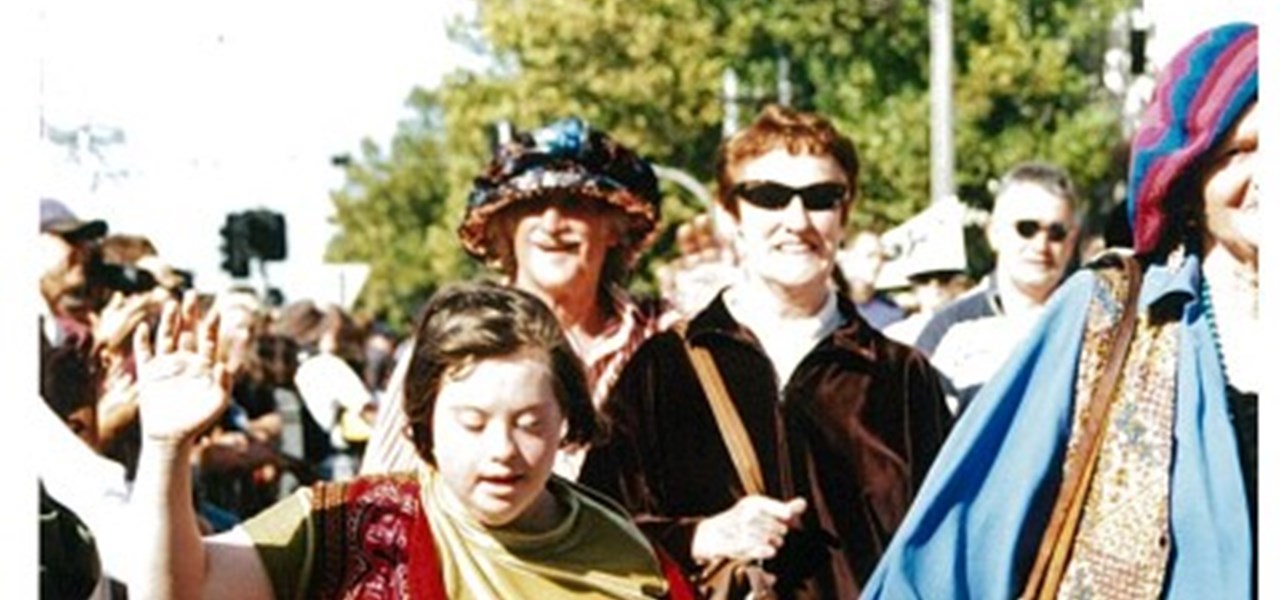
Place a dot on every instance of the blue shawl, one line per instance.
(975, 526)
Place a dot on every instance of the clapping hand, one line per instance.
(182, 389)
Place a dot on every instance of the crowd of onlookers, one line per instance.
(280, 430)
(774, 422)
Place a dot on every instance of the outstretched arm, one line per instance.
(181, 391)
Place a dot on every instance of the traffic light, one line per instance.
(252, 234)
(267, 234)
(235, 245)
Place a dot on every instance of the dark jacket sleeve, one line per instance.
(927, 418)
(628, 464)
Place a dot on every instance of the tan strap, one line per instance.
(732, 431)
(1055, 545)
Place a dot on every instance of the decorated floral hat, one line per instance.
(1198, 97)
(565, 157)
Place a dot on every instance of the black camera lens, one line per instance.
(122, 278)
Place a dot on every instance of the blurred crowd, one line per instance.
(306, 379)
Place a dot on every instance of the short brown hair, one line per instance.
(468, 322)
(781, 127)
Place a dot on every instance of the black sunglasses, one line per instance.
(774, 196)
(1028, 229)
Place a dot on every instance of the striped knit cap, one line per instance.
(1198, 97)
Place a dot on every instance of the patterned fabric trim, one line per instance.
(1121, 549)
(373, 541)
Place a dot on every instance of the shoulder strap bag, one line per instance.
(1055, 546)
(725, 578)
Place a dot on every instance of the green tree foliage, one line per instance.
(1027, 86)
(395, 213)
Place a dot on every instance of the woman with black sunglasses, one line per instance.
(842, 422)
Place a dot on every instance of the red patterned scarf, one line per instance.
(373, 541)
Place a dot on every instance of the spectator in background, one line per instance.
(127, 283)
(494, 389)
(844, 422)
(379, 354)
(65, 245)
(338, 405)
(1032, 232)
(929, 291)
(70, 380)
(70, 563)
(706, 265)
(562, 212)
(84, 539)
(237, 459)
(860, 267)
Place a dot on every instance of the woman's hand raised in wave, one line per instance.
(182, 389)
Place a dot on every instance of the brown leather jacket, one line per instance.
(854, 432)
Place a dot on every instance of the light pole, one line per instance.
(941, 140)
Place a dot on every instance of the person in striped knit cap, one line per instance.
(561, 212)
(1055, 485)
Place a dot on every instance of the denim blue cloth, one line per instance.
(975, 526)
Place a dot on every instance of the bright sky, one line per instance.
(231, 105)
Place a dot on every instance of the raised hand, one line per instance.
(182, 389)
(753, 528)
(706, 264)
(119, 319)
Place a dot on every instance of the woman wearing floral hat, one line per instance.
(1087, 478)
(561, 212)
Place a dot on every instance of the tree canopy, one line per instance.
(1027, 85)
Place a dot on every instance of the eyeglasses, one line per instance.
(775, 196)
(1028, 229)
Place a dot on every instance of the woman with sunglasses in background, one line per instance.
(843, 423)
(1064, 481)
(1032, 232)
(561, 212)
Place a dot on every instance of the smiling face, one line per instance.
(496, 427)
(1231, 197)
(560, 244)
(791, 249)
